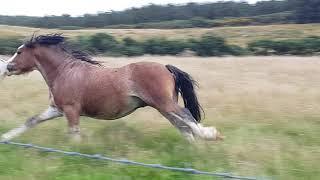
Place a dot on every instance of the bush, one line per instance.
(132, 51)
(261, 47)
(163, 46)
(131, 47)
(210, 45)
(207, 45)
(9, 45)
(82, 43)
(306, 46)
(103, 42)
(238, 51)
(200, 22)
(283, 17)
(99, 43)
(311, 44)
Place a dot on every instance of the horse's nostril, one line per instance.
(10, 67)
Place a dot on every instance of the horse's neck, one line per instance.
(50, 65)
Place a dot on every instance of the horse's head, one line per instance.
(40, 49)
(22, 61)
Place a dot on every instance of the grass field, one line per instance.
(268, 107)
(234, 35)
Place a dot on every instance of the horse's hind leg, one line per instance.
(180, 122)
(182, 119)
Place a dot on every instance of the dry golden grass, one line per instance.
(234, 35)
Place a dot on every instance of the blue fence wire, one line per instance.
(129, 162)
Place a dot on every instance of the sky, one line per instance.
(78, 7)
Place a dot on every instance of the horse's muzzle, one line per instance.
(11, 67)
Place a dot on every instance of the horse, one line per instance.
(80, 86)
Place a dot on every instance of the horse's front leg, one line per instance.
(72, 114)
(50, 113)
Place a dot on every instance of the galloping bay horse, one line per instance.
(80, 86)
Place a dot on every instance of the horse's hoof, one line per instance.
(212, 134)
(219, 136)
(76, 138)
(5, 137)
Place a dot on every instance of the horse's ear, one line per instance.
(29, 43)
(32, 39)
(33, 35)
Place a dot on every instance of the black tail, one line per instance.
(185, 86)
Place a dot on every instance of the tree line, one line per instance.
(303, 11)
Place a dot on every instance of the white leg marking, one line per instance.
(195, 129)
(14, 133)
(50, 113)
(75, 134)
(198, 130)
(74, 130)
(207, 133)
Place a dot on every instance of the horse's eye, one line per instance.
(19, 52)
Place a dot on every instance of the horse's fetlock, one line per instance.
(32, 122)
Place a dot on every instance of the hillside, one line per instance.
(154, 13)
(234, 35)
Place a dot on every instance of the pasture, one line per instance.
(234, 35)
(268, 107)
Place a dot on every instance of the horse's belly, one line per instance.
(118, 110)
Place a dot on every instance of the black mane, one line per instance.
(59, 40)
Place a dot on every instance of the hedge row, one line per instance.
(9, 45)
(306, 46)
(207, 45)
